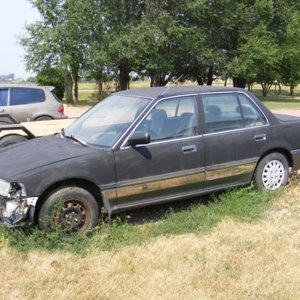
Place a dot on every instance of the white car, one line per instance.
(30, 103)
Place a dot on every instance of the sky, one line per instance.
(14, 15)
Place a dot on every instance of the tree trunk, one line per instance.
(239, 82)
(200, 80)
(210, 75)
(124, 76)
(158, 79)
(68, 87)
(265, 88)
(100, 88)
(76, 97)
(292, 88)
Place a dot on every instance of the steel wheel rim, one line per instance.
(71, 216)
(273, 175)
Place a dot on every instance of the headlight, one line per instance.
(4, 188)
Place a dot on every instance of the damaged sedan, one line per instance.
(144, 147)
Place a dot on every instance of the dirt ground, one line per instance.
(292, 112)
(75, 112)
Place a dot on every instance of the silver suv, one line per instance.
(30, 103)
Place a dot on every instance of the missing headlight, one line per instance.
(13, 203)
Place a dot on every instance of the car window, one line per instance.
(21, 96)
(222, 112)
(3, 97)
(252, 115)
(104, 124)
(171, 118)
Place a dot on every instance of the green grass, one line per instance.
(282, 101)
(191, 216)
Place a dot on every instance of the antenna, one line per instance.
(174, 82)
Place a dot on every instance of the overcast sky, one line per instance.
(14, 15)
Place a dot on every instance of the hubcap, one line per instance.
(273, 175)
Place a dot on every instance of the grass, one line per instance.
(241, 244)
(191, 217)
(282, 101)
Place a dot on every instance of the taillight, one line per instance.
(61, 109)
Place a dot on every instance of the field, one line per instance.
(239, 244)
(88, 95)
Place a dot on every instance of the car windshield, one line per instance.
(107, 121)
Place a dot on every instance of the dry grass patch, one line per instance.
(235, 260)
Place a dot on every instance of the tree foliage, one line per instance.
(248, 40)
(52, 77)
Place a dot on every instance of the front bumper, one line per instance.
(16, 209)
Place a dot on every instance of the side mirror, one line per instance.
(139, 138)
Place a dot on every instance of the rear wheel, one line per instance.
(272, 172)
(12, 139)
(43, 118)
(69, 209)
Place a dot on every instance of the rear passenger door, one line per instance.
(236, 131)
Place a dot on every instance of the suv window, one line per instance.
(21, 96)
(3, 97)
(222, 112)
(252, 115)
(171, 118)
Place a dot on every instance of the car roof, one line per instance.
(34, 86)
(164, 92)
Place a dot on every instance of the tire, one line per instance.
(272, 172)
(12, 139)
(43, 118)
(69, 209)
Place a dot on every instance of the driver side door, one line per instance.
(171, 165)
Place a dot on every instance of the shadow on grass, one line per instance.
(196, 216)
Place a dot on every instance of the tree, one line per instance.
(120, 17)
(290, 54)
(258, 59)
(54, 42)
(158, 45)
(53, 77)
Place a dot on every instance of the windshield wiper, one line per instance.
(72, 137)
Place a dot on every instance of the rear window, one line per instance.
(21, 96)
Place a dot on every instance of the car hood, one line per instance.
(30, 155)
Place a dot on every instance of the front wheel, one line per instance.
(12, 139)
(69, 209)
(272, 172)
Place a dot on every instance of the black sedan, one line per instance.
(143, 147)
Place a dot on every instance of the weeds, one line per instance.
(244, 204)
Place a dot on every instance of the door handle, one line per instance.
(260, 137)
(189, 149)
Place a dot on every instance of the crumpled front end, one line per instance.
(16, 209)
